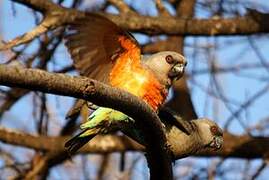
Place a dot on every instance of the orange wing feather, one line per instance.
(103, 51)
(130, 75)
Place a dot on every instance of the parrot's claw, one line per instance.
(92, 106)
(186, 125)
(174, 118)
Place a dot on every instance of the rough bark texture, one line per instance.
(194, 27)
(84, 88)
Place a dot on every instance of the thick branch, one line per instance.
(103, 95)
(175, 26)
(56, 16)
(195, 27)
(100, 144)
(234, 146)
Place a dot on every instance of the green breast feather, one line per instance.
(102, 121)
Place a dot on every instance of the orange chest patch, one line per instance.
(128, 74)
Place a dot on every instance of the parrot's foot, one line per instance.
(184, 125)
(187, 125)
(92, 106)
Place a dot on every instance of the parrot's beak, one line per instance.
(216, 143)
(177, 71)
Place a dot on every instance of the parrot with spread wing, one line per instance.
(103, 51)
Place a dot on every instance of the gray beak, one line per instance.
(217, 142)
(177, 71)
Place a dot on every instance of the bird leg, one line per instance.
(92, 106)
(174, 118)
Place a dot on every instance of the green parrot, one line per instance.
(101, 121)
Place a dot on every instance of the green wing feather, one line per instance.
(101, 121)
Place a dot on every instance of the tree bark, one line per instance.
(158, 154)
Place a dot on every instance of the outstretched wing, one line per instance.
(95, 43)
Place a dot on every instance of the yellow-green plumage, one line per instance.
(102, 115)
(101, 121)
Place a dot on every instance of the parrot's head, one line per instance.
(210, 133)
(167, 66)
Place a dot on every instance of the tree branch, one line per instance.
(58, 16)
(234, 146)
(103, 95)
(100, 144)
(42, 6)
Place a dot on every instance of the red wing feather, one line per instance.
(95, 43)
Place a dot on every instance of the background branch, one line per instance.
(56, 16)
(234, 146)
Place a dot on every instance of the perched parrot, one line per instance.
(205, 135)
(103, 51)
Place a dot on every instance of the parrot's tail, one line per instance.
(75, 143)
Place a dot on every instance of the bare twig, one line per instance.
(161, 8)
(43, 27)
(246, 104)
(259, 170)
(12, 96)
(121, 6)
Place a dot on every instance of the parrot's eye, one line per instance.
(215, 131)
(169, 59)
